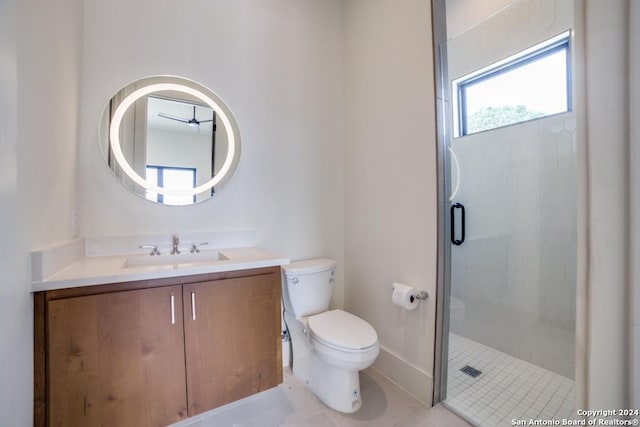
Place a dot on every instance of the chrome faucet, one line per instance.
(176, 242)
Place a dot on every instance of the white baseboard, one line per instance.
(409, 377)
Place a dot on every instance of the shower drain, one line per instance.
(473, 372)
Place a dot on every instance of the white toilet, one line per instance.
(329, 347)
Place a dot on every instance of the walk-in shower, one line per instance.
(508, 216)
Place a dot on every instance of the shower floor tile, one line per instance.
(508, 388)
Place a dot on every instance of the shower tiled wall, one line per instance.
(515, 274)
(523, 24)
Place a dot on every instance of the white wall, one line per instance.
(39, 85)
(277, 65)
(390, 180)
(14, 299)
(49, 76)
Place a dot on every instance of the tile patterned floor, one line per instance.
(291, 404)
(508, 388)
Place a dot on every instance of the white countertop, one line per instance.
(99, 270)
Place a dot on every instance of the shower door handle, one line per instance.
(455, 241)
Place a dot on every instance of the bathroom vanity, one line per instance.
(147, 338)
(153, 351)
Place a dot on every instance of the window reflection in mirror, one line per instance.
(172, 178)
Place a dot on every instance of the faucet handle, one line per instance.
(194, 247)
(176, 242)
(154, 249)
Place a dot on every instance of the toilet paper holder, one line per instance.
(422, 295)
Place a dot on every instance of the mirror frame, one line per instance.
(163, 83)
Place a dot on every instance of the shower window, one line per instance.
(531, 84)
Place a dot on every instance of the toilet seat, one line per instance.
(342, 331)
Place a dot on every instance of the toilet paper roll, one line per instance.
(404, 296)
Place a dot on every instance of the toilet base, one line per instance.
(337, 388)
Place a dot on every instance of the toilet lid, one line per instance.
(342, 329)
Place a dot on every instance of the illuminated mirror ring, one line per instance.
(114, 133)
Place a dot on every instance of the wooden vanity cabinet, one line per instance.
(117, 359)
(235, 320)
(151, 353)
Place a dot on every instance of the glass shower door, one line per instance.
(512, 211)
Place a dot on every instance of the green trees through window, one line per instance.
(494, 117)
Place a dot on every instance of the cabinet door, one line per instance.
(117, 359)
(232, 339)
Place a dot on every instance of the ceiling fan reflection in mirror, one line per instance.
(192, 122)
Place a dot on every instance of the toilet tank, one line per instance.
(307, 286)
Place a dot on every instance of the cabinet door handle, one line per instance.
(193, 306)
(173, 309)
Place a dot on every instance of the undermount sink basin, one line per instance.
(184, 260)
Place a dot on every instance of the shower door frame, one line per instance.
(441, 348)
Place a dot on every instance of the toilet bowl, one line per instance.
(329, 347)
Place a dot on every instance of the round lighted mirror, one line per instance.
(170, 140)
